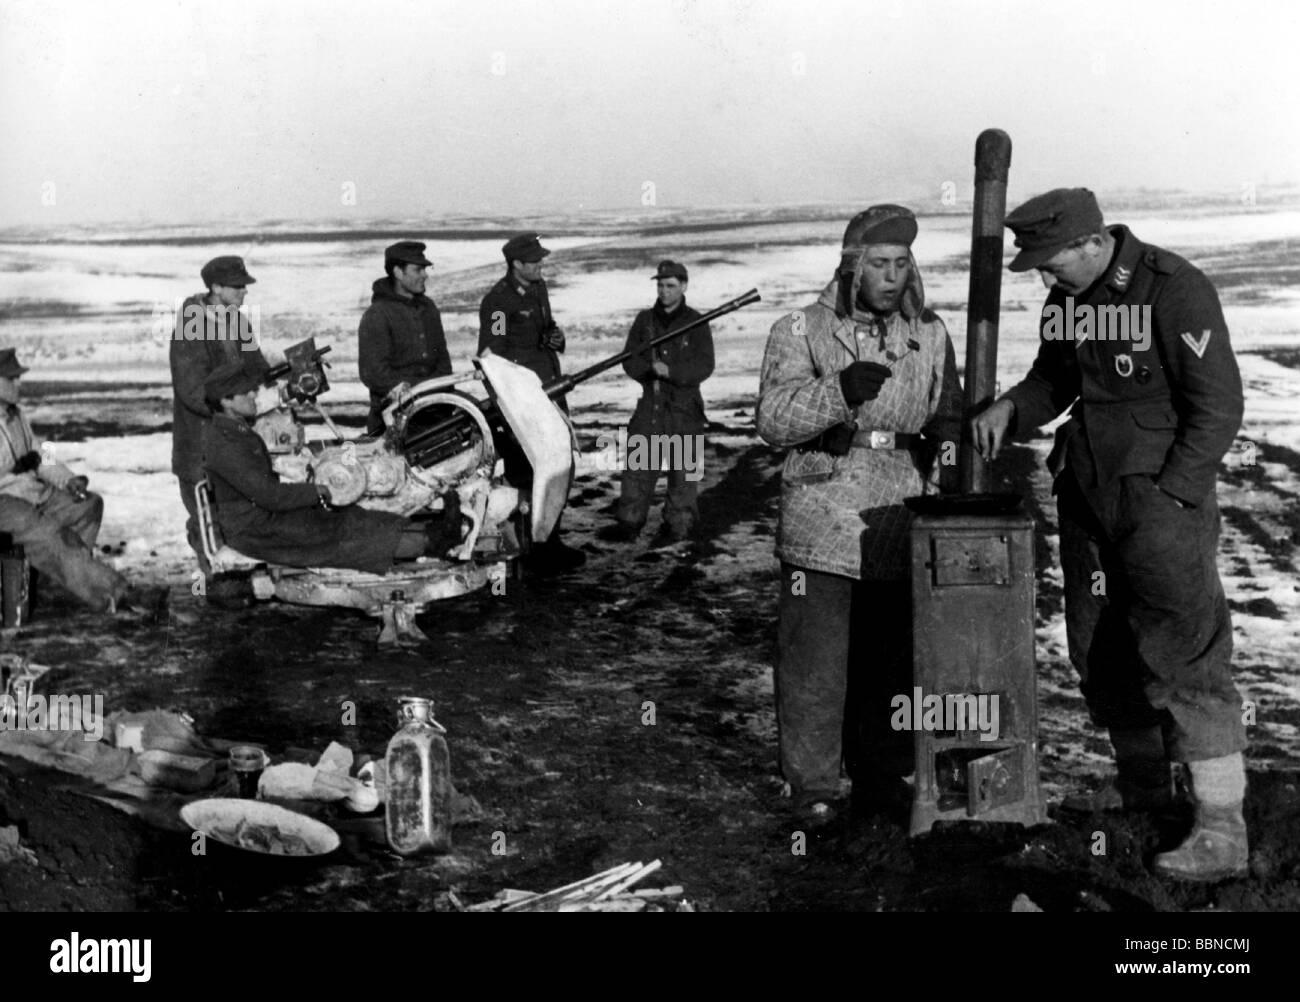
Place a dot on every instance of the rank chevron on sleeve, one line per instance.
(1199, 344)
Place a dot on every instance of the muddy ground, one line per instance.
(544, 693)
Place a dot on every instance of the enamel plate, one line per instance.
(260, 827)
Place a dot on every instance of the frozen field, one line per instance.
(83, 316)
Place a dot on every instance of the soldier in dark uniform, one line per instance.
(670, 404)
(515, 321)
(293, 524)
(210, 331)
(401, 340)
(1135, 468)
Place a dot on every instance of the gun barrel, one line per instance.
(418, 444)
(564, 384)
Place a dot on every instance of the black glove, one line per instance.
(28, 462)
(862, 381)
(837, 440)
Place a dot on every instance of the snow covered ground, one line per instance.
(83, 314)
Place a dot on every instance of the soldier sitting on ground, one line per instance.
(47, 510)
(294, 524)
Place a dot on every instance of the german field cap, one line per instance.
(671, 269)
(9, 367)
(227, 270)
(229, 380)
(406, 252)
(1048, 223)
(881, 224)
(525, 247)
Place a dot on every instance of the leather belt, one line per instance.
(863, 439)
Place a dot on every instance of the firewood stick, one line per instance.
(577, 886)
(591, 893)
(631, 879)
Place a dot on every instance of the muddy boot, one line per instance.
(1143, 778)
(1217, 847)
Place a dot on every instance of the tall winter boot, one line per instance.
(1217, 848)
(1143, 778)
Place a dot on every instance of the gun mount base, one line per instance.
(395, 598)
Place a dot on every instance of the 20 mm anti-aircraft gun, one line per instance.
(437, 439)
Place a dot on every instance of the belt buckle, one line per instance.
(882, 440)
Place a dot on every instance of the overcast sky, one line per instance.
(244, 109)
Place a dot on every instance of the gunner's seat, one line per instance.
(221, 558)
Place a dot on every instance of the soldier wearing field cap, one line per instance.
(515, 322)
(210, 330)
(1135, 470)
(514, 319)
(860, 388)
(401, 340)
(671, 404)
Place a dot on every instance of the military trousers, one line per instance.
(844, 650)
(1146, 617)
(59, 536)
(681, 508)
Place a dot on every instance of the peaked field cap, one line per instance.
(1047, 223)
(525, 247)
(881, 224)
(9, 367)
(671, 269)
(406, 252)
(226, 270)
(228, 380)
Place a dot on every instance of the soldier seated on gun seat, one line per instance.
(294, 524)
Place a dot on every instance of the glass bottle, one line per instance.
(417, 812)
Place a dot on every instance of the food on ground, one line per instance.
(263, 838)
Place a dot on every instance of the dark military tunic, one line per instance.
(399, 340)
(206, 337)
(512, 320)
(1136, 465)
(671, 406)
(281, 523)
(1170, 410)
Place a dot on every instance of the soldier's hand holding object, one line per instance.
(76, 486)
(660, 369)
(553, 338)
(862, 381)
(989, 428)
